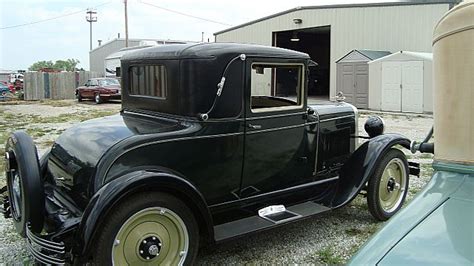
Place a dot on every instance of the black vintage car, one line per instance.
(201, 152)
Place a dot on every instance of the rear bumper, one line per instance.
(44, 249)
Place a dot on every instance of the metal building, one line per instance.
(97, 55)
(353, 75)
(327, 33)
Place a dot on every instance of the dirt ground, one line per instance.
(331, 238)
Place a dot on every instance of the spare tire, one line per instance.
(25, 188)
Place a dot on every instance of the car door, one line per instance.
(93, 88)
(276, 154)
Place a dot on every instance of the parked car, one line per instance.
(9, 85)
(201, 152)
(437, 227)
(100, 90)
(4, 90)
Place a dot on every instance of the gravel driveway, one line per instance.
(330, 238)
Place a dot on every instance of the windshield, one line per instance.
(108, 82)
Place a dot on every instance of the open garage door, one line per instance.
(316, 43)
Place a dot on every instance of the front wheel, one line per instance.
(388, 186)
(78, 96)
(97, 98)
(150, 228)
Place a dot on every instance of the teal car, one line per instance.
(437, 227)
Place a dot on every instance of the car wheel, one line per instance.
(150, 228)
(97, 98)
(78, 96)
(388, 186)
(25, 189)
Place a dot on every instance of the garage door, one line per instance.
(402, 86)
(353, 82)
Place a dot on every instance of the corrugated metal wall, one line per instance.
(392, 28)
(97, 55)
(58, 86)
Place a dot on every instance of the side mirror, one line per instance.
(117, 72)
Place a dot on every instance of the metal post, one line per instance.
(92, 17)
(126, 23)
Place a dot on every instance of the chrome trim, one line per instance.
(44, 250)
(335, 118)
(356, 119)
(276, 115)
(278, 128)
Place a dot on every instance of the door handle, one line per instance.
(254, 126)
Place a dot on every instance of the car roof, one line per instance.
(210, 50)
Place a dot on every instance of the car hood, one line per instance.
(436, 228)
(76, 153)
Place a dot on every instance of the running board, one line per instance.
(257, 223)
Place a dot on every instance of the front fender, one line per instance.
(111, 193)
(361, 165)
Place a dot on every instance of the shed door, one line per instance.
(391, 86)
(412, 86)
(361, 86)
(353, 82)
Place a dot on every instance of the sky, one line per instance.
(68, 36)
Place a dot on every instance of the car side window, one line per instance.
(148, 80)
(276, 86)
(94, 83)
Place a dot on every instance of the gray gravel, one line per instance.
(330, 238)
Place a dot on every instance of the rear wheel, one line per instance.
(150, 228)
(388, 186)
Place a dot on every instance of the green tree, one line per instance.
(41, 64)
(61, 65)
(66, 65)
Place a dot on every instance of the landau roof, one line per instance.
(210, 50)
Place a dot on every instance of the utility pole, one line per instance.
(91, 18)
(126, 23)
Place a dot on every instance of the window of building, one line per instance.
(148, 81)
(276, 86)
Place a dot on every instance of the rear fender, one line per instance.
(113, 192)
(357, 170)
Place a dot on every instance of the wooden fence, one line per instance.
(58, 86)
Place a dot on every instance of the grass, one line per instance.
(57, 103)
(328, 256)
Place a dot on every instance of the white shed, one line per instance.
(401, 82)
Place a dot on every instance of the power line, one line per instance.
(184, 14)
(48, 19)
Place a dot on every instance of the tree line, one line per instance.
(60, 65)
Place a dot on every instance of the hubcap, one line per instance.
(392, 185)
(97, 98)
(16, 194)
(152, 236)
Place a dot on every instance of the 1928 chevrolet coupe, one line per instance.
(202, 151)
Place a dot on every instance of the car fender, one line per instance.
(357, 170)
(111, 193)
